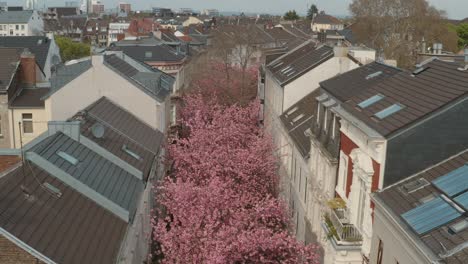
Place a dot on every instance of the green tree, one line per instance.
(70, 50)
(313, 10)
(462, 32)
(291, 15)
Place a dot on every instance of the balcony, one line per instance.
(340, 230)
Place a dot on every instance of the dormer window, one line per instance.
(389, 111)
(374, 99)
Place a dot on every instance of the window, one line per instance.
(1, 131)
(305, 191)
(380, 252)
(334, 126)
(27, 123)
(132, 154)
(318, 113)
(148, 54)
(17, 27)
(374, 99)
(389, 111)
(22, 27)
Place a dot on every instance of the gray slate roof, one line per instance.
(93, 170)
(30, 98)
(159, 53)
(154, 82)
(39, 46)
(298, 120)
(399, 201)
(439, 84)
(326, 19)
(65, 73)
(9, 58)
(122, 128)
(294, 64)
(127, 124)
(71, 229)
(18, 17)
(346, 85)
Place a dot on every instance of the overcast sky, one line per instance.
(455, 8)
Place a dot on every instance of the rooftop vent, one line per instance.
(389, 111)
(373, 75)
(415, 185)
(374, 99)
(130, 152)
(67, 157)
(458, 227)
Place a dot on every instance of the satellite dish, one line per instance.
(98, 130)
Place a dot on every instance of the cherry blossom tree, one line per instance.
(219, 203)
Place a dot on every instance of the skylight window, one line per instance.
(389, 111)
(292, 110)
(420, 70)
(148, 54)
(67, 157)
(373, 75)
(50, 188)
(130, 152)
(290, 73)
(374, 99)
(279, 64)
(286, 69)
(298, 118)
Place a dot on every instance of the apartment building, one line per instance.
(21, 23)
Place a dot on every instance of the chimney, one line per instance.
(437, 48)
(340, 51)
(423, 46)
(28, 68)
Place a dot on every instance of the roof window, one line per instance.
(67, 157)
(148, 54)
(374, 99)
(458, 227)
(420, 70)
(373, 75)
(52, 189)
(389, 111)
(297, 118)
(130, 152)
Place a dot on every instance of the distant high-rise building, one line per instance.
(185, 11)
(3, 6)
(210, 12)
(162, 12)
(125, 8)
(31, 4)
(98, 8)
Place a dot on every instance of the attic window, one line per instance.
(148, 54)
(52, 189)
(67, 157)
(414, 185)
(373, 75)
(130, 152)
(297, 118)
(374, 99)
(278, 64)
(420, 70)
(389, 111)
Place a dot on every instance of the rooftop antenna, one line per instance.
(98, 130)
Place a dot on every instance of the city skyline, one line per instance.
(455, 8)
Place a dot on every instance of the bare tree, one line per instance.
(396, 27)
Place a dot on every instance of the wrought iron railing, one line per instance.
(343, 230)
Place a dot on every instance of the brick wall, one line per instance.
(12, 254)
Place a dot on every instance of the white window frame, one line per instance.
(342, 175)
(318, 113)
(23, 120)
(334, 127)
(325, 120)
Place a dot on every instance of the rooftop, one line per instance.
(156, 53)
(69, 228)
(18, 17)
(30, 98)
(326, 19)
(9, 61)
(346, 85)
(298, 61)
(298, 119)
(408, 97)
(439, 190)
(38, 45)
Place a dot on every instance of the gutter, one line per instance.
(26, 247)
(409, 234)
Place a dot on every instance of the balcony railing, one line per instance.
(340, 229)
